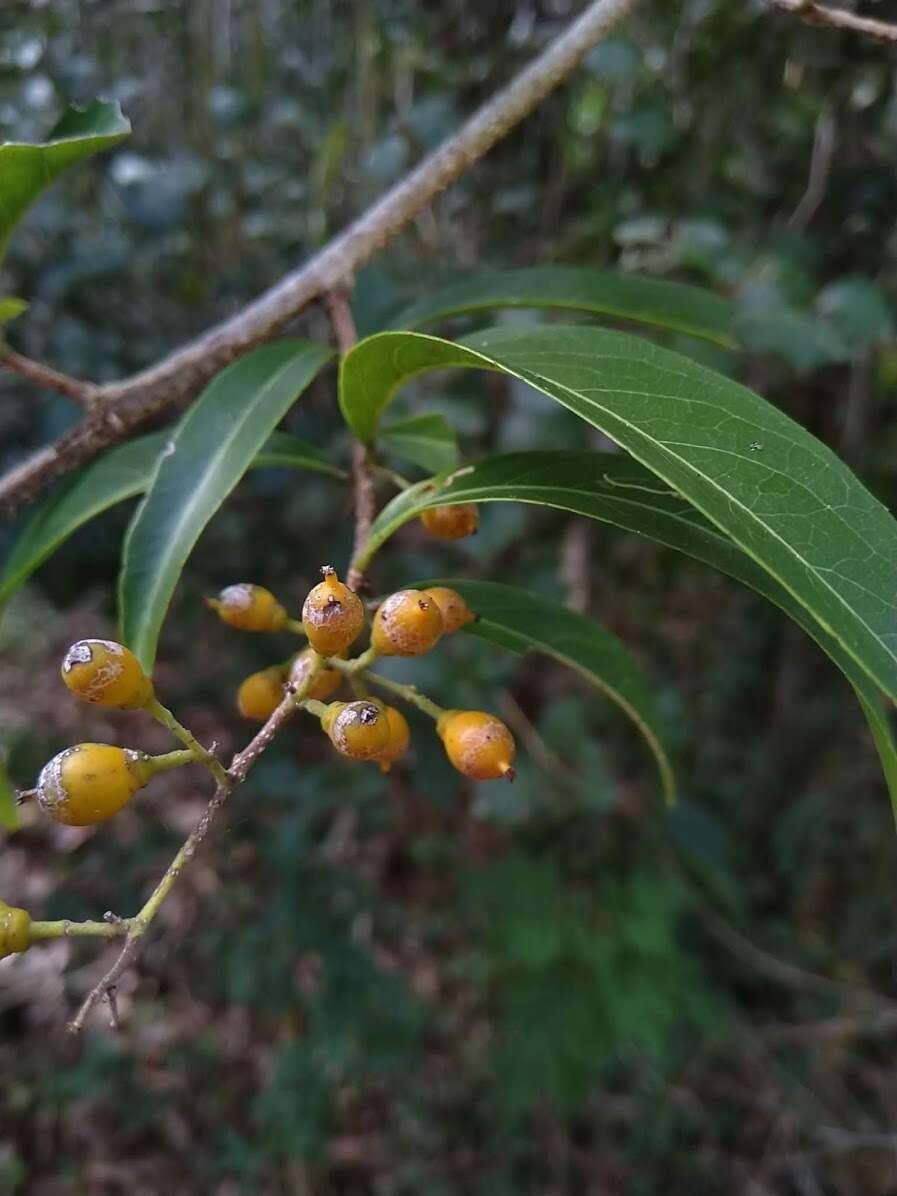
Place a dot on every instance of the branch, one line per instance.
(73, 388)
(236, 775)
(838, 18)
(129, 404)
(337, 304)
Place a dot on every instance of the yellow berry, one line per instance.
(452, 607)
(323, 686)
(332, 615)
(399, 739)
(249, 607)
(261, 693)
(15, 930)
(478, 744)
(407, 623)
(359, 730)
(106, 673)
(90, 782)
(452, 522)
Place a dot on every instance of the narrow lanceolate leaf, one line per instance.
(210, 450)
(524, 622)
(27, 169)
(119, 474)
(426, 440)
(123, 473)
(673, 305)
(782, 496)
(616, 490)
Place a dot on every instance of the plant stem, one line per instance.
(408, 692)
(313, 706)
(175, 759)
(295, 625)
(164, 716)
(65, 930)
(358, 665)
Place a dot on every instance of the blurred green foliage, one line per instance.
(426, 987)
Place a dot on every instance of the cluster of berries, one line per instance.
(407, 623)
(89, 782)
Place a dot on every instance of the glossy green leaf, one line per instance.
(426, 440)
(27, 169)
(525, 622)
(211, 449)
(672, 305)
(781, 495)
(616, 490)
(123, 473)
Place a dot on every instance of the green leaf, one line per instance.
(123, 473)
(119, 474)
(616, 490)
(28, 169)
(568, 288)
(9, 813)
(426, 440)
(282, 449)
(11, 308)
(211, 449)
(524, 622)
(781, 495)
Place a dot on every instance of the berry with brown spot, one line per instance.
(453, 521)
(332, 615)
(359, 730)
(249, 607)
(454, 610)
(106, 673)
(90, 782)
(407, 623)
(478, 744)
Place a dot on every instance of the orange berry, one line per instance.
(15, 930)
(451, 522)
(359, 730)
(452, 607)
(332, 615)
(107, 673)
(249, 608)
(261, 693)
(90, 782)
(478, 744)
(407, 623)
(399, 739)
(323, 686)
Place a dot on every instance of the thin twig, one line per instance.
(128, 405)
(337, 304)
(838, 18)
(239, 768)
(824, 144)
(84, 393)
